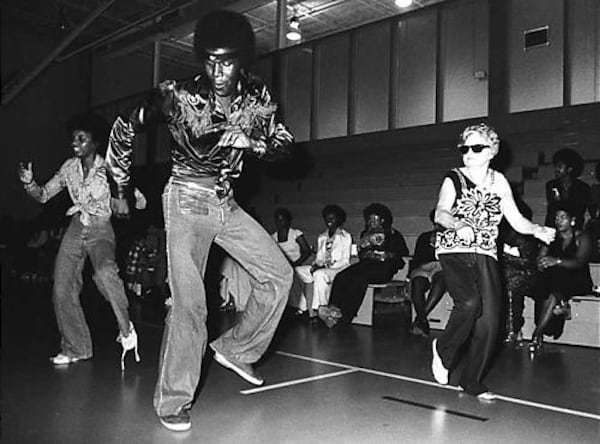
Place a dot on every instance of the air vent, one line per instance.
(534, 38)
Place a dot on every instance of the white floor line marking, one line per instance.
(296, 382)
(549, 407)
(371, 371)
(447, 387)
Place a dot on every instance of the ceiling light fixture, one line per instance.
(294, 33)
(403, 3)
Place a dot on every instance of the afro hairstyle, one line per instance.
(225, 29)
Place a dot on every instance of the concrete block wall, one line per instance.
(407, 179)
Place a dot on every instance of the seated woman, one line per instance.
(425, 274)
(565, 272)
(296, 249)
(334, 247)
(291, 240)
(380, 252)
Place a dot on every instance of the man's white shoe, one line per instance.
(440, 373)
(179, 422)
(129, 342)
(252, 379)
(62, 359)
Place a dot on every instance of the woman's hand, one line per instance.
(548, 261)
(25, 173)
(364, 242)
(465, 233)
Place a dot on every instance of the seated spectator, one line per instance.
(565, 272)
(296, 249)
(593, 225)
(33, 255)
(291, 240)
(235, 286)
(146, 269)
(334, 247)
(380, 252)
(518, 266)
(425, 274)
(567, 188)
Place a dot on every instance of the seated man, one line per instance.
(567, 188)
(334, 247)
(593, 224)
(380, 252)
(425, 274)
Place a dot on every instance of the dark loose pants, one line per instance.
(349, 286)
(474, 284)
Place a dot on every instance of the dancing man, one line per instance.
(471, 204)
(90, 233)
(215, 119)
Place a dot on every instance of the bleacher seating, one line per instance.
(407, 180)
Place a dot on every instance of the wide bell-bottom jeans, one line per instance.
(195, 217)
(96, 240)
(474, 285)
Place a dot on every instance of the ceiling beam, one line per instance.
(178, 25)
(13, 90)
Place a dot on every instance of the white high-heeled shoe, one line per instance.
(129, 342)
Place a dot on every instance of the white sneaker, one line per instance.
(129, 342)
(440, 373)
(244, 370)
(62, 359)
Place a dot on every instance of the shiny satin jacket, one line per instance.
(196, 124)
(90, 194)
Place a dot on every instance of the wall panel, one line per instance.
(464, 60)
(372, 71)
(264, 69)
(332, 88)
(535, 75)
(296, 93)
(415, 63)
(584, 51)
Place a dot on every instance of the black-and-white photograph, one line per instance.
(300, 221)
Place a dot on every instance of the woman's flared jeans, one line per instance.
(96, 240)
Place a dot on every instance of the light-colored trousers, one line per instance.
(321, 279)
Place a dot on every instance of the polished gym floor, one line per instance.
(351, 385)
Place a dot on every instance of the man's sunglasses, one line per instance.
(464, 149)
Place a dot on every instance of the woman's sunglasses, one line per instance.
(464, 149)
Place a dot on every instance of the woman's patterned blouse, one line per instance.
(480, 209)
